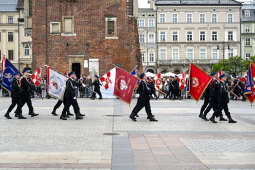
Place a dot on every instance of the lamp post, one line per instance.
(223, 50)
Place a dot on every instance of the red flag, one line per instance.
(37, 77)
(251, 97)
(199, 81)
(253, 69)
(158, 82)
(182, 81)
(124, 85)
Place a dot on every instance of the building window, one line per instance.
(141, 38)
(111, 27)
(10, 54)
(26, 50)
(230, 53)
(189, 36)
(162, 18)
(247, 41)
(151, 23)
(175, 53)
(162, 36)
(175, 19)
(55, 28)
(202, 36)
(190, 53)
(10, 19)
(202, 53)
(230, 18)
(152, 58)
(30, 8)
(143, 57)
(151, 38)
(247, 13)
(214, 36)
(247, 55)
(175, 36)
(230, 36)
(162, 54)
(0, 36)
(248, 28)
(214, 18)
(68, 25)
(141, 23)
(10, 36)
(189, 18)
(202, 18)
(214, 53)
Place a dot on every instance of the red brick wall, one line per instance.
(89, 25)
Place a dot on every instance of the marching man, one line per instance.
(143, 100)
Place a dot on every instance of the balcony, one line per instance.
(187, 61)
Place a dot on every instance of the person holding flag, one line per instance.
(143, 100)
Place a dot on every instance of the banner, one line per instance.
(37, 77)
(108, 82)
(249, 82)
(124, 85)
(198, 82)
(56, 84)
(8, 72)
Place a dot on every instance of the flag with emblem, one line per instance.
(253, 69)
(37, 77)
(158, 81)
(199, 80)
(56, 84)
(8, 72)
(182, 81)
(249, 91)
(124, 85)
(108, 81)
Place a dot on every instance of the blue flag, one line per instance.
(134, 73)
(187, 88)
(249, 84)
(8, 73)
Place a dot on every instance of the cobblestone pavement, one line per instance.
(106, 139)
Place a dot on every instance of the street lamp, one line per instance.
(223, 49)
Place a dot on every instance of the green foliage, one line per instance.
(233, 66)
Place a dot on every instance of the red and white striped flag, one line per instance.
(37, 77)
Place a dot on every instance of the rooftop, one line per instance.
(197, 2)
(8, 5)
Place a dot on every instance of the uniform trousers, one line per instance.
(67, 104)
(141, 103)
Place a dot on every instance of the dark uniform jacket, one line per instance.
(26, 87)
(96, 85)
(151, 85)
(223, 93)
(70, 92)
(144, 91)
(16, 91)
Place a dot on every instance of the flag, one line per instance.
(182, 81)
(249, 83)
(187, 88)
(37, 77)
(158, 81)
(8, 72)
(253, 69)
(124, 85)
(134, 73)
(198, 82)
(108, 81)
(56, 84)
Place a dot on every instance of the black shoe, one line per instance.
(21, 117)
(81, 114)
(69, 114)
(63, 118)
(132, 118)
(92, 98)
(136, 115)
(100, 98)
(54, 114)
(152, 119)
(79, 118)
(7, 116)
(201, 116)
(212, 120)
(33, 114)
(16, 115)
(232, 121)
(223, 119)
(204, 118)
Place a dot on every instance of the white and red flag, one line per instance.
(182, 81)
(37, 77)
(158, 81)
(119, 83)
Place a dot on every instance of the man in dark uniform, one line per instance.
(16, 98)
(152, 87)
(70, 97)
(96, 85)
(26, 88)
(206, 99)
(223, 100)
(143, 100)
(58, 104)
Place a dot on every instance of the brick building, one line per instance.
(85, 36)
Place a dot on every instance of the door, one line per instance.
(76, 67)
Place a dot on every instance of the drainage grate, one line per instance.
(111, 134)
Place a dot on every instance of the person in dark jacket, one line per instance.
(151, 85)
(26, 91)
(223, 100)
(70, 97)
(16, 98)
(57, 105)
(143, 100)
(96, 85)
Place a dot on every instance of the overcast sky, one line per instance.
(144, 3)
